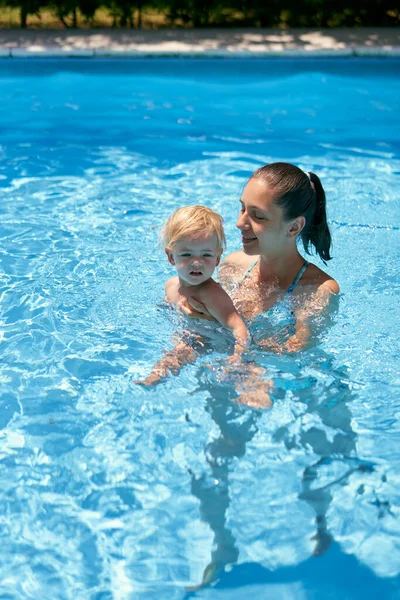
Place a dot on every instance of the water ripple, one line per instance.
(108, 489)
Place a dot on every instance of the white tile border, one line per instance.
(377, 51)
(50, 53)
(56, 52)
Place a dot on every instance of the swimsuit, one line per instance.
(280, 315)
(295, 281)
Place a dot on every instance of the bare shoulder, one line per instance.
(234, 266)
(171, 288)
(208, 289)
(239, 259)
(317, 277)
(213, 296)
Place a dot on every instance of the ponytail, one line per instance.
(316, 231)
(300, 194)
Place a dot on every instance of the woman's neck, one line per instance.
(280, 270)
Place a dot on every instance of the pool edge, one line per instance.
(370, 52)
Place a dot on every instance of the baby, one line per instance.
(194, 239)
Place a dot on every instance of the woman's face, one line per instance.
(264, 230)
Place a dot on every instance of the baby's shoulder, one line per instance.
(205, 289)
(210, 292)
(171, 287)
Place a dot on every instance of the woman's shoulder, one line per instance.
(238, 259)
(317, 277)
(233, 267)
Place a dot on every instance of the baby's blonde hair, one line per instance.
(197, 221)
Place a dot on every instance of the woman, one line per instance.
(280, 204)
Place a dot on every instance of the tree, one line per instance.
(67, 11)
(26, 7)
(88, 7)
(123, 12)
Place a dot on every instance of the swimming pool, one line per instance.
(109, 490)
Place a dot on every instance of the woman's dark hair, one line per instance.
(300, 195)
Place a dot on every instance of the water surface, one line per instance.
(109, 490)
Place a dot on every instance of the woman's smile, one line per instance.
(248, 239)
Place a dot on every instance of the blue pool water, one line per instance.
(112, 491)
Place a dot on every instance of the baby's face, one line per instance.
(195, 259)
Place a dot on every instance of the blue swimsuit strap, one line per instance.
(298, 277)
(249, 269)
(295, 281)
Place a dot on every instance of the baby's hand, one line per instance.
(195, 309)
(257, 398)
(254, 390)
(150, 380)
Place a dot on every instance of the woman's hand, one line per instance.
(254, 388)
(195, 309)
(270, 345)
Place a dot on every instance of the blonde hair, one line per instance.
(197, 221)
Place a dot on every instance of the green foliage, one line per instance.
(206, 13)
(27, 7)
(123, 12)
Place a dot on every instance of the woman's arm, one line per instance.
(323, 300)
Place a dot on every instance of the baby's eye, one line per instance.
(207, 255)
(185, 254)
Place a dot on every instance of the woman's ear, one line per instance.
(170, 256)
(296, 226)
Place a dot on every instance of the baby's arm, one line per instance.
(171, 362)
(181, 353)
(221, 307)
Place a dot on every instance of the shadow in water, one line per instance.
(237, 426)
(327, 400)
(330, 403)
(333, 575)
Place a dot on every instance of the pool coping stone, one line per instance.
(205, 43)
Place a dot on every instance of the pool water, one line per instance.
(112, 491)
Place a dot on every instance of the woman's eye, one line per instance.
(259, 218)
